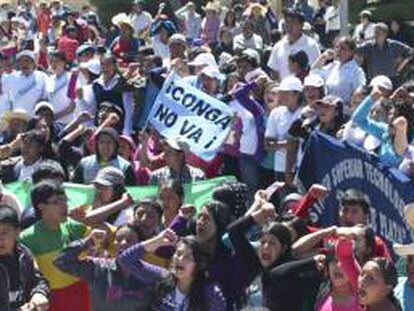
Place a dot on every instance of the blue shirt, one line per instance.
(380, 130)
(404, 292)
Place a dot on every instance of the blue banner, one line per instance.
(340, 166)
(182, 110)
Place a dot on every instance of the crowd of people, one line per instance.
(75, 101)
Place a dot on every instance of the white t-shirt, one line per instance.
(161, 49)
(279, 58)
(254, 42)
(278, 124)
(141, 21)
(57, 91)
(24, 92)
(87, 103)
(248, 140)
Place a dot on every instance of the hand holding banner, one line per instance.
(182, 110)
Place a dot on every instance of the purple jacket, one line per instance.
(131, 261)
(257, 110)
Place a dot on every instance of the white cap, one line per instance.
(404, 250)
(43, 104)
(178, 37)
(383, 82)
(224, 58)
(313, 80)
(251, 75)
(27, 53)
(212, 72)
(93, 65)
(203, 59)
(409, 214)
(253, 54)
(291, 83)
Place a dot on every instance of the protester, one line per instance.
(22, 284)
(206, 143)
(176, 168)
(293, 41)
(47, 237)
(383, 55)
(188, 269)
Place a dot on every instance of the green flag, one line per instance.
(197, 193)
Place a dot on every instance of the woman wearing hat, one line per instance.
(210, 24)
(125, 47)
(11, 124)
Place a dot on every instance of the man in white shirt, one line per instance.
(247, 39)
(294, 41)
(140, 19)
(365, 30)
(280, 120)
(26, 87)
(191, 19)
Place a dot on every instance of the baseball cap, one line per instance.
(293, 13)
(329, 100)
(178, 143)
(252, 54)
(84, 48)
(212, 72)
(383, 82)
(178, 37)
(203, 59)
(27, 53)
(93, 65)
(110, 176)
(291, 83)
(355, 196)
(43, 105)
(313, 80)
(365, 13)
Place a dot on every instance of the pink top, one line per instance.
(345, 254)
(329, 305)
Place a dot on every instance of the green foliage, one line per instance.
(108, 8)
(384, 10)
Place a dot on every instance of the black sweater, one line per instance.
(287, 285)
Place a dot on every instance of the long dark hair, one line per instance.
(196, 298)
(390, 276)
(405, 110)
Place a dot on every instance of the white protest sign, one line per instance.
(182, 110)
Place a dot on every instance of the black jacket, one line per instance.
(31, 279)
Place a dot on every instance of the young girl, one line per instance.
(343, 276)
(375, 286)
(185, 286)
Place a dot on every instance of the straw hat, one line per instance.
(17, 114)
(257, 9)
(404, 250)
(212, 6)
(409, 214)
(122, 19)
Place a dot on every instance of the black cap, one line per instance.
(293, 13)
(355, 196)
